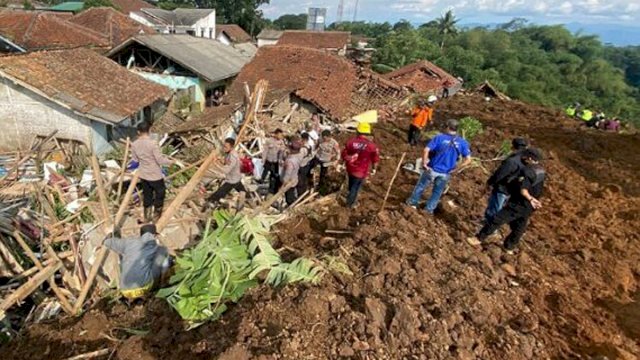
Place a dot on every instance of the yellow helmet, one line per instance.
(364, 128)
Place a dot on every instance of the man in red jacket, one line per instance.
(359, 154)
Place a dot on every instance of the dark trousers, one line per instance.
(303, 179)
(414, 135)
(291, 196)
(224, 190)
(153, 193)
(273, 170)
(323, 171)
(354, 187)
(516, 215)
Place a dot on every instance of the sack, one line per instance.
(246, 166)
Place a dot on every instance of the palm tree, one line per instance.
(447, 25)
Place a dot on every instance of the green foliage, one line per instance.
(470, 127)
(98, 3)
(27, 5)
(226, 263)
(504, 150)
(291, 22)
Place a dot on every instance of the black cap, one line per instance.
(519, 143)
(533, 154)
(148, 229)
(452, 124)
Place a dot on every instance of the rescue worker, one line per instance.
(439, 159)
(146, 152)
(328, 152)
(524, 193)
(306, 155)
(500, 179)
(571, 110)
(231, 170)
(272, 155)
(290, 176)
(586, 115)
(360, 155)
(143, 261)
(422, 115)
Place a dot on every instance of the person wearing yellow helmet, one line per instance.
(360, 155)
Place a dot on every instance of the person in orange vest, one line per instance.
(422, 115)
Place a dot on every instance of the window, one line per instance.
(191, 32)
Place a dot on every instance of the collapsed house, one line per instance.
(195, 22)
(22, 31)
(112, 24)
(424, 77)
(232, 34)
(85, 96)
(332, 41)
(182, 62)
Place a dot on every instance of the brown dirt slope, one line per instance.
(418, 292)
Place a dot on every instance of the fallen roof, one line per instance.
(269, 34)
(128, 6)
(37, 31)
(207, 58)
(422, 76)
(177, 17)
(234, 32)
(84, 81)
(211, 118)
(323, 79)
(315, 39)
(111, 23)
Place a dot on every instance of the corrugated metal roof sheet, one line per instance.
(68, 6)
(207, 58)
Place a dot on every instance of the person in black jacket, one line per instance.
(497, 183)
(524, 191)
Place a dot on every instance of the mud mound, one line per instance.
(418, 291)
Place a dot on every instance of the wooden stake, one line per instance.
(123, 169)
(30, 286)
(199, 162)
(125, 202)
(66, 306)
(90, 355)
(393, 179)
(101, 193)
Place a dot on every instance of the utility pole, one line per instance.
(355, 12)
(340, 12)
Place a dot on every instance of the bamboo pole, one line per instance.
(34, 149)
(127, 197)
(100, 185)
(199, 162)
(123, 169)
(393, 179)
(64, 302)
(27, 273)
(30, 286)
(90, 355)
(102, 253)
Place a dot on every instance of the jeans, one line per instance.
(496, 203)
(439, 181)
(153, 193)
(516, 215)
(354, 187)
(224, 190)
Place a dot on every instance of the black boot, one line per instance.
(147, 214)
(157, 213)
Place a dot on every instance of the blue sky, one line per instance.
(621, 12)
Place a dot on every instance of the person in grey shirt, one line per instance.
(328, 152)
(291, 171)
(272, 155)
(142, 262)
(231, 171)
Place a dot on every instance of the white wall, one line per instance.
(265, 42)
(25, 114)
(206, 25)
(224, 39)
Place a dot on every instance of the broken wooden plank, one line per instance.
(393, 179)
(123, 169)
(30, 286)
(102, 196)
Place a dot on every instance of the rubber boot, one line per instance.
(147, 214)
(156, 214)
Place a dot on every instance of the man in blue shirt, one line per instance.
(439, 159)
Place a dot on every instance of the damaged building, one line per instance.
(115, 26)
(195, 22)
(85, 96)
(331, 41)
(424, 77)
(182, 62)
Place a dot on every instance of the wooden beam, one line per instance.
(30, 286)
(125, 159)
(104, 204)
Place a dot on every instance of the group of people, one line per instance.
(596, 120)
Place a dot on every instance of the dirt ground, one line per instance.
(417, 290)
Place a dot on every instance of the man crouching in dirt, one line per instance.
(524, 192)
(142, 262)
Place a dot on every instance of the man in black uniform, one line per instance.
(524, 192)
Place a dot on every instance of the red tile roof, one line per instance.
(84, 81)
(422, 76)
(234, 32)
(128, 6)
(111, 23)
(36, 31)
(315, 39)
(323, 79)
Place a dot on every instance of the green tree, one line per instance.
(291, 22)
(98, 3)
(447, 26)
(27, 5)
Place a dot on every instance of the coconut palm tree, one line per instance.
(447, 26)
